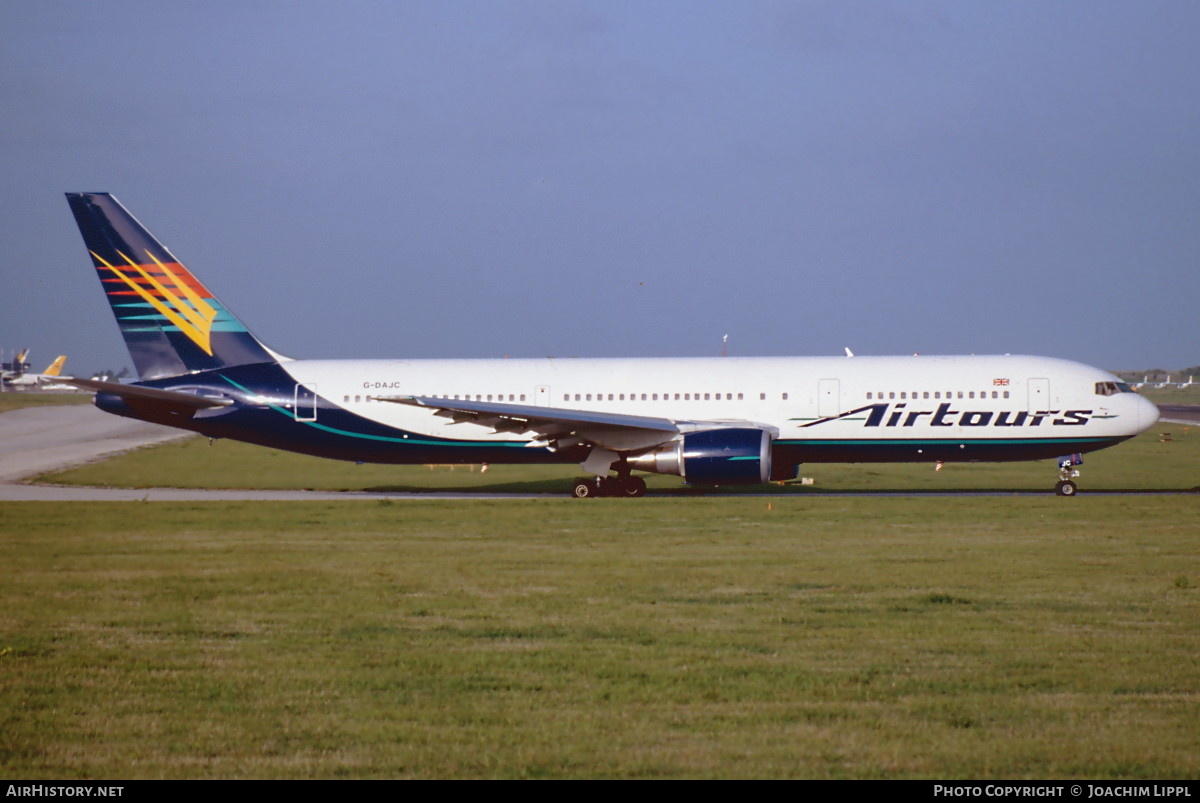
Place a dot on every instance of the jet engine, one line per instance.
(714, 456)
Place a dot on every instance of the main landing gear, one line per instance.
(1066, 474)
(626, 486)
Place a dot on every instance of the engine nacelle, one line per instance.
(715, 456)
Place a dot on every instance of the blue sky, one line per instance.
(477, 179)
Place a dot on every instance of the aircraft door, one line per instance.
(541, 396)
(829, 398)
(1039, 395)
(305, 407)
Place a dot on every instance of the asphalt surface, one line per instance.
(35, 440)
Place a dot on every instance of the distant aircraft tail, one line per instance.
(55, 368)
(171, 323)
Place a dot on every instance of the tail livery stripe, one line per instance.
(193, 316)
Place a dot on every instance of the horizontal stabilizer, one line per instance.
(172, 397)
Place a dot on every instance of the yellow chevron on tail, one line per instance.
(191, 313)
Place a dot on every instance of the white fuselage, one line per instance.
(806, 398)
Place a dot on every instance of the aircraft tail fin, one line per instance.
(172, 324)
(55, 368)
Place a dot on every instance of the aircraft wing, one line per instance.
(559, 428)
(554, 427)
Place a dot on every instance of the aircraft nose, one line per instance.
(1147, 414)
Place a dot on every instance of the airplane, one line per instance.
(710, 421)
(14, 369)
(28, 381)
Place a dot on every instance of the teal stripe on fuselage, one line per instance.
(384, 438)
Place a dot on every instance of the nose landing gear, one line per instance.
(1066, 475)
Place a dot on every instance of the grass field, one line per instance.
(815, 637)
(1167, 457)
(1189, 395)
(798, 637)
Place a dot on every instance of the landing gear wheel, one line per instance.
(584, 489)
(1065, 488)
(633, 487)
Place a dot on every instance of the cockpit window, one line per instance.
(1112, 388)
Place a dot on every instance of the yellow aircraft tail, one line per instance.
(55, 367)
